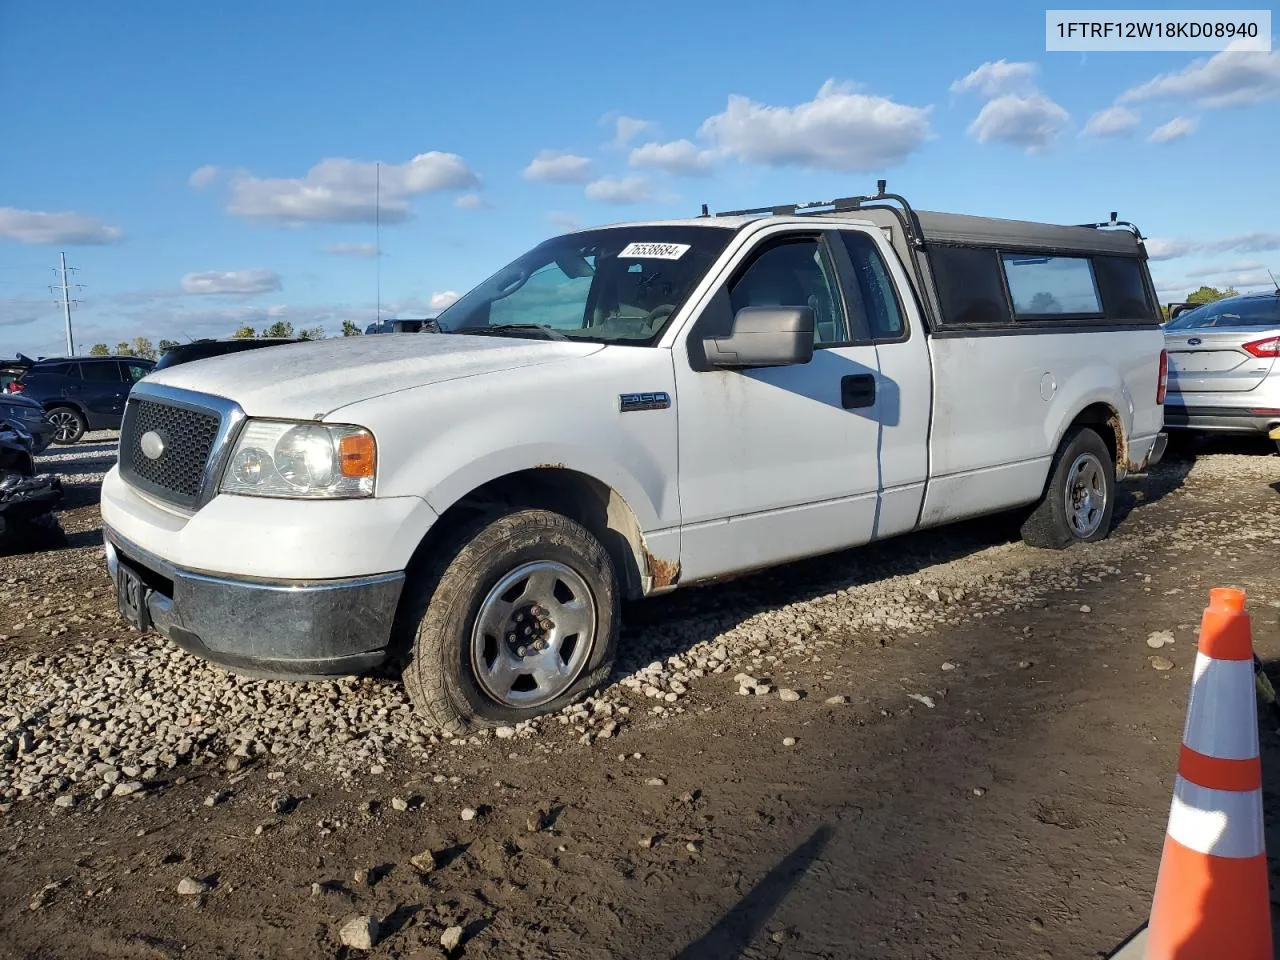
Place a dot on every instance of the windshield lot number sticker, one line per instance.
(655, 251)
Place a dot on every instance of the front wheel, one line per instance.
(518, 618)
(1080, 498)
(69, 424)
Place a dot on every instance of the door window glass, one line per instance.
(795, 273)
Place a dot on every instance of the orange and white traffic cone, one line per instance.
(1211, 898)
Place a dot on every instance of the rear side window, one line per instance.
(1047, 287)
(969, 286)
(1124, 291)
(101, 372)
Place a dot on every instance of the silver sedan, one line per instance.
(1223, 374)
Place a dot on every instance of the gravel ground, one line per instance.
(100, 727)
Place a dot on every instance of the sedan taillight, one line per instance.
(1270, 347)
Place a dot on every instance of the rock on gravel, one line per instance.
(191, 887)
(1159, 638)
(1161, 663)
(468, 814)
(359, 933)
(451, 939)
(788, 696)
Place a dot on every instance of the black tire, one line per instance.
(1050, 524)
(444, 599)
(71, 424)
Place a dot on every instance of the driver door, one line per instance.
(782, 462)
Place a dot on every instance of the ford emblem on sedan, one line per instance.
(1194, 342)
(152, 445)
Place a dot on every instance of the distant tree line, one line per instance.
(281, 329)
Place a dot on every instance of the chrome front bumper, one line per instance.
(290, 629)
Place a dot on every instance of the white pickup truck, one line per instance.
(620, 412)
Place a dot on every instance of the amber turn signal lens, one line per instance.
(358, 455)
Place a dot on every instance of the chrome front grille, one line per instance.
(182, 440)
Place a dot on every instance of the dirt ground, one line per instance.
(995, 786)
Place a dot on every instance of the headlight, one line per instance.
(276, 458)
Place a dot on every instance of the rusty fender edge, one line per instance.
(663, 574)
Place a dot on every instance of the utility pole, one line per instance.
(64, 290)
(377, 236)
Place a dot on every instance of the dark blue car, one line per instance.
(81, 393)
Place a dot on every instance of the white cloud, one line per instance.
(998, 77)
(344, 191)
(442, 299)
(839, 129)
(1114, 121)
(203, 176)
(1218, 270)
(19, 313)
(352, 249)
(241, 282)
(472, 201)
(1175, 129)
(628, 128)
(678, 156)
(1158, 249)
(1032, 122)
(37, 226)
(1227, 79)
(619, 190)
(566, 221)
(1255, 242)
(550, 166)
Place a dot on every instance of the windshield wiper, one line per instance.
(498, 329)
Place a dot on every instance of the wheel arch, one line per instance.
(50, 405)
(598, 506)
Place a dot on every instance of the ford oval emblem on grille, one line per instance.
(152, 445)
(1194, 342)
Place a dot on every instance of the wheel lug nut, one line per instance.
(522, 650)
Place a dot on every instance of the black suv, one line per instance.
(205, 349)
(81, 393)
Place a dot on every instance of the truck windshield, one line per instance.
(612, 285)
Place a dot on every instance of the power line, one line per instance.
(64, 289)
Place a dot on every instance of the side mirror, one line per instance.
(763, 337)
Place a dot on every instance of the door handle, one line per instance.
(857, 390)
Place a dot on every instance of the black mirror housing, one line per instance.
(763, 337)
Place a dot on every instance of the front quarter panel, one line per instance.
(443, 441)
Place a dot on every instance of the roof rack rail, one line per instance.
(911, 223)
(1113, 222)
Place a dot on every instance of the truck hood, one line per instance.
(308, 380)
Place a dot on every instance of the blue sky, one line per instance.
(207, 165)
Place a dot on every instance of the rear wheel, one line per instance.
(1079, 500)
(69, 423)
(518, 618)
